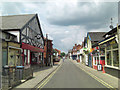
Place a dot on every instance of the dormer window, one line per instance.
(8, 36)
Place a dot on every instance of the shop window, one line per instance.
(115, 46)
(109, 59)
(115, 58)
(102, 58)
(109, 47)
(97, 58)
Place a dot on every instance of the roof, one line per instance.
(15, 21)
(96, 36)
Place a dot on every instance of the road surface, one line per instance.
(70, 76)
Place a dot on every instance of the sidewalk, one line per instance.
(37, 77)
(111, 80)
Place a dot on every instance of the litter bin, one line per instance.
(20, 72)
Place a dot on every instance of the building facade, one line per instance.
(29, 34)
(111, 52)
(93, 38)
(48, 52)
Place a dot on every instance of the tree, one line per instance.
(62, 54)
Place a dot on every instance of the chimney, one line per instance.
(75, 44)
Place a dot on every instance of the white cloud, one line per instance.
(55, 16)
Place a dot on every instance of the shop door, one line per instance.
(89, 61)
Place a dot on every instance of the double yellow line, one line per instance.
(48, 79)
(99, 80)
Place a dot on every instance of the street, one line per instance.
(70, 76)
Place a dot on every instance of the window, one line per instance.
(112, 54)
(115, 58)
(115, 46)
(96, 60)
(109, 47)
(8, 36)
(109, 59)
(102, 58)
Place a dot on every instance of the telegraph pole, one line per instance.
(118, 31)
(46, 49)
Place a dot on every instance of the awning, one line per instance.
(32, 48)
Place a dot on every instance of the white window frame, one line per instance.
(111, 50)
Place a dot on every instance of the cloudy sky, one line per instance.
(66, 22)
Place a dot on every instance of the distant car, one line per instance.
(56, 59)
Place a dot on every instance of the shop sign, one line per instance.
(99, 67)
(113, 42)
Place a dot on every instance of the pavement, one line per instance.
(69, 75)
(38, 77)
(109, 79)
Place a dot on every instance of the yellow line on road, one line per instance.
(98, 79)
(49, 77)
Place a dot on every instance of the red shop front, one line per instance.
(31, 54)
(98, 57)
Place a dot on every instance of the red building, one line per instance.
(48, 52)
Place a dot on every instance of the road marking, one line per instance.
(98, 79)
(48, 78)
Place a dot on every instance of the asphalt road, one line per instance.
(70, 76)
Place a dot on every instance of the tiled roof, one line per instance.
(96, 36)
(14, 21)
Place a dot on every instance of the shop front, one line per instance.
(98, 57)
(111, 55)
(112, 58)
(32, 55)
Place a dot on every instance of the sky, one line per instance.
(67, 22)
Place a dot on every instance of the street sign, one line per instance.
(99, 67)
